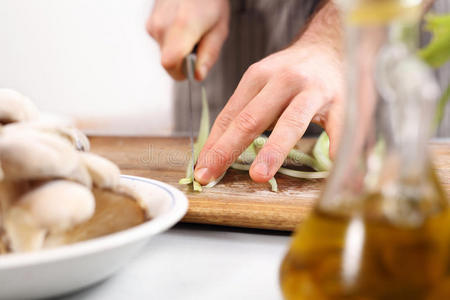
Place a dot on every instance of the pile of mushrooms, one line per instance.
(47, 177)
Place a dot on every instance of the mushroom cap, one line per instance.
(29, 154)
(21, 231)
(58, 205)
(113, 212)
(15, 107)
(104, 173)
(77, 138)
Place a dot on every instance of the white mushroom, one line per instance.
(29, 154)
(14, 107)
(77, 138)
(22, 233)
(59, 204)
(104, 173)
(53, 207)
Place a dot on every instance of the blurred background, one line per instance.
(93, 61)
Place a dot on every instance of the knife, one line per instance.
(189, 63)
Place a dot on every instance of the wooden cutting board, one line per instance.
(236, 200)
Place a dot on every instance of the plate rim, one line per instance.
(147, 229)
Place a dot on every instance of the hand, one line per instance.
(178, 25)
(293, 87)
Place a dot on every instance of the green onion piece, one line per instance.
(248, 156)
(299, 158)
(198, 145)
(197, 186)
(242, 167)
(273, 184)
(302, 174)
(203, 132)
(259, 142)
(437, 52)
(186, 180)
(322, 153)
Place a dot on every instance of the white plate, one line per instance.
(66, 269)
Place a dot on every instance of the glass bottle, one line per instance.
(381, 229)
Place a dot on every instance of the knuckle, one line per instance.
(223, 121)
(217, 157)
(167, 64)
(155, 26)
(246, 123)
(181, 19)
(294, 120)
(257, 70)
(291, 76)
(273, 154)
(172, 61)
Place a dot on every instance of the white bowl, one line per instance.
(66, 269)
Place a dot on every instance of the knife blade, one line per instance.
(190, 67)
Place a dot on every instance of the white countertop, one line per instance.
(199, 262)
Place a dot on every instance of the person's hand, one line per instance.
(293, 87)
(178, 25)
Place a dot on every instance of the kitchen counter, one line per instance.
(199, 262)
(205, 261)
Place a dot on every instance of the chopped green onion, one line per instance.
(198, 145)
(303, 174)
(241, 167)
(321, 152)
(299, 158)
(273, 184)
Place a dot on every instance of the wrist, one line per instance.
(324, 30)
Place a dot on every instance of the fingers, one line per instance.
(161, 17)
(334, 127)
(250, 85)
(178, 26)
(178, 42)
(289, 129)
(243, 129)
(209, 49)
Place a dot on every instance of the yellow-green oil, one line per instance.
(383, 261)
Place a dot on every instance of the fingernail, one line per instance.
(261, 169)
(203, 175)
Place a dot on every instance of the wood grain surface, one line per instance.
(236, 200)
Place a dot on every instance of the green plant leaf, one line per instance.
(437, 52)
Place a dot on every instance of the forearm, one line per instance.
(324, 28)
(427, 5)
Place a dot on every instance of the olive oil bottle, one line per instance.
(381, 229)
(338, 255)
